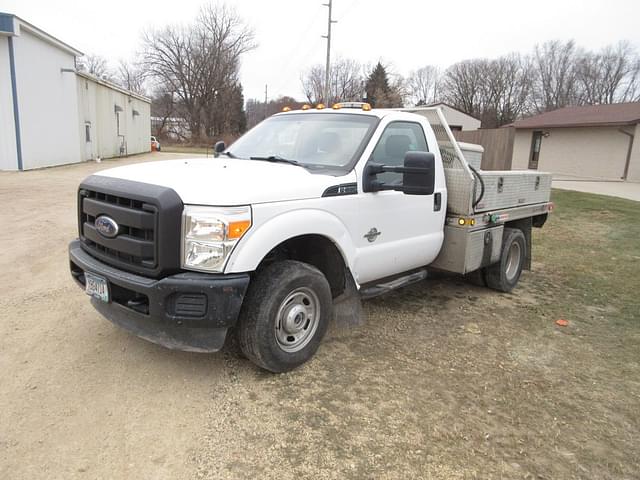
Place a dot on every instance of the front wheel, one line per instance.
(284, 316)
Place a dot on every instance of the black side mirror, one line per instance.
(418, 175)
(218, 148)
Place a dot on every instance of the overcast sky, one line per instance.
(405, 34)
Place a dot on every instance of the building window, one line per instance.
(87, 132)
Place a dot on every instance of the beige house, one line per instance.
(457, 119)
(598, 142)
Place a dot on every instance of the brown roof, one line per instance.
(592, 115)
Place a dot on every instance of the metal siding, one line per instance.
(48, 103)
(97, 105)
(8, 157)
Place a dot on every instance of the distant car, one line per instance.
(155, 144)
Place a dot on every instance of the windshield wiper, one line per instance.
(229, 154)
(277, 158)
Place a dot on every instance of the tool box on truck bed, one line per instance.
(472, 190)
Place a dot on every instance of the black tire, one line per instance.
(276, 300)
(504, 275)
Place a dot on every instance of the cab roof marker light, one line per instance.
(366, 107)
(306, 107)
(337, 106)
(286, 109)
(320, 106)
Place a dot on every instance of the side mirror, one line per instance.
(218, 148)
(418, 175)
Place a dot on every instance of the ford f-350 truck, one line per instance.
(309, 211)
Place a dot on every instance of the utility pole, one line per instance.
(327, 89)
(265, 100)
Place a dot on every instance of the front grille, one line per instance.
(137, 221)
(148, 218)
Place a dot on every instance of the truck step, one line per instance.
(370, 291)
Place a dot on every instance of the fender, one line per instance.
(263, 237)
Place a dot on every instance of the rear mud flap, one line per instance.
(347, 308)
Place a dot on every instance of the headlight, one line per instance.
(209, 235)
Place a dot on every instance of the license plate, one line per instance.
(96, 286)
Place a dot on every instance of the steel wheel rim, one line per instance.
(513, 261)
(297, 319)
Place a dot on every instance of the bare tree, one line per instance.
(163, 109)
(465, 86)
(94, 65)
(131, 77)
(199, 63)
(423, 85)
(609, 76)
(345, 82)
(496, 91)
(509, 88)
(556, 75)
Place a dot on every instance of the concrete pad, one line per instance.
(628, 190)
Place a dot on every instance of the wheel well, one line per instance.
(315, 250)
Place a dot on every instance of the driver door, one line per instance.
(396, 232)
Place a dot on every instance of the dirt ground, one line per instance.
(445, 380)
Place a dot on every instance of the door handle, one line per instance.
(437, 202)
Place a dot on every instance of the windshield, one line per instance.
(311, 139)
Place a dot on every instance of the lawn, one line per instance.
(449, 380)
(167, 148)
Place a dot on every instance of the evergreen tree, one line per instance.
(380, 94)
(377, 84)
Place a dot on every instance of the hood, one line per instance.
(226, 182)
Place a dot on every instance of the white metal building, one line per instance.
(52, 115)
(457, 119)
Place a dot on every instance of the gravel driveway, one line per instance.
(445, 380)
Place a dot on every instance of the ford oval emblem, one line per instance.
(106, 226)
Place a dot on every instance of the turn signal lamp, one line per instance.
(366, 107)
(320, 106)
(306, 107)
(461, 221)
(286, 109)
(238, 229)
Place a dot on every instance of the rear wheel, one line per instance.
(284, 316)
(504, 275)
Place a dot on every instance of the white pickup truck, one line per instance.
(303, 216)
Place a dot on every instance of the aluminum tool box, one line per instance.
(502, 189)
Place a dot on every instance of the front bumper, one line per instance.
(187, 311)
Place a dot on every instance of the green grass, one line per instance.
(187, 149)
(592, 243)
